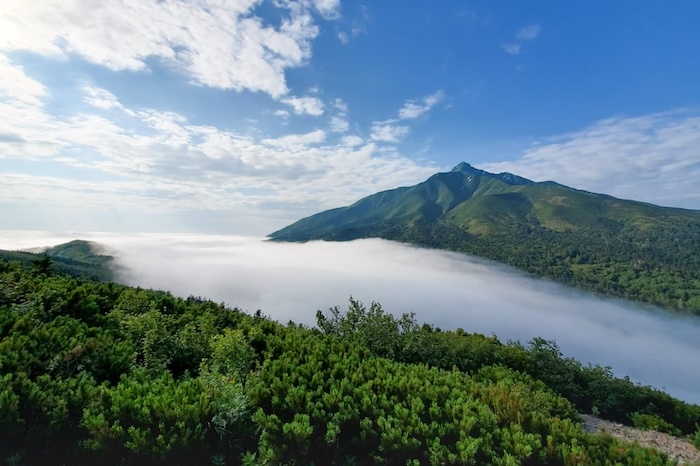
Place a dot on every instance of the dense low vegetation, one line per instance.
(99, 373)
(595, 242)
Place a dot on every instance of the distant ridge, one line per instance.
(623, 248)
(78, 258)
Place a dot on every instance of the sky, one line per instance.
(291, 281)
(242, 116)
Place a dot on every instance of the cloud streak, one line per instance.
(305, 105)
(526, 34)
(292, 281)
(511, 49)
(651, 158)
(391, 132)
(413, 109)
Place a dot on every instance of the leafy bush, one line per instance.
(147, 414)
(653, 422)
(695, 438)
(105, 374)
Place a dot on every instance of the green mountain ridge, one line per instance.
(78, 258)
(624, 248)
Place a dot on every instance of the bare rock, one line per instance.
(678, 449)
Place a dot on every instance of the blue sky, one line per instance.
(241, 116)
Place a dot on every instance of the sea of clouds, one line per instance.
(291, 281)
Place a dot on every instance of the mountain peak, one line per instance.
(464, 167)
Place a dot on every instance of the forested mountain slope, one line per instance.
(622, 248)
(78, 258)
(100, 373)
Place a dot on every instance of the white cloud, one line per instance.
(525, 34)
(529, 32)
(296, 141)
(388, 132)
(413, 109)
(101, 98)
(172, 164)
(340, 105)
(214, 43)
(391, 132)
(329, 9)
(352, 140)
(281, 113)
(356, 30)
(339, 124)
(652, 158)
(23, 188)
(305, 105)
(17, 87)
(511, 49)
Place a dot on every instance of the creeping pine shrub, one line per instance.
(695, 438)
(653, 422)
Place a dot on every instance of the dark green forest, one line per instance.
(99, 373)
(638, 266)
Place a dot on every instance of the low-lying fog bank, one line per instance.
(290, 281)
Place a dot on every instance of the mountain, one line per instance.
(596, 242)
(78, 258)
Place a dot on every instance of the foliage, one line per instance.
(695, 438)
(590, 389)
(146, 413)
(102, 373)
(653, 422)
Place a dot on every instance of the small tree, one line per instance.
(42, 265)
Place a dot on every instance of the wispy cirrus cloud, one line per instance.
(216, 44)
(529, 32)
(525, 34)
(305, 105)
(511, 49)
(413, 109)
(329, 9)
(101, 98)
(339, 122)
(388, 132)
(18, 88)
(357, 27)
(651, 157)
(392, 131)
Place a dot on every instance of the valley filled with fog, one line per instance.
(290, 281)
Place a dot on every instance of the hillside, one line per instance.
(596, 242)
(78, 258)
(100, 373)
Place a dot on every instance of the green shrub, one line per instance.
(653, 422)
(695, 438)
